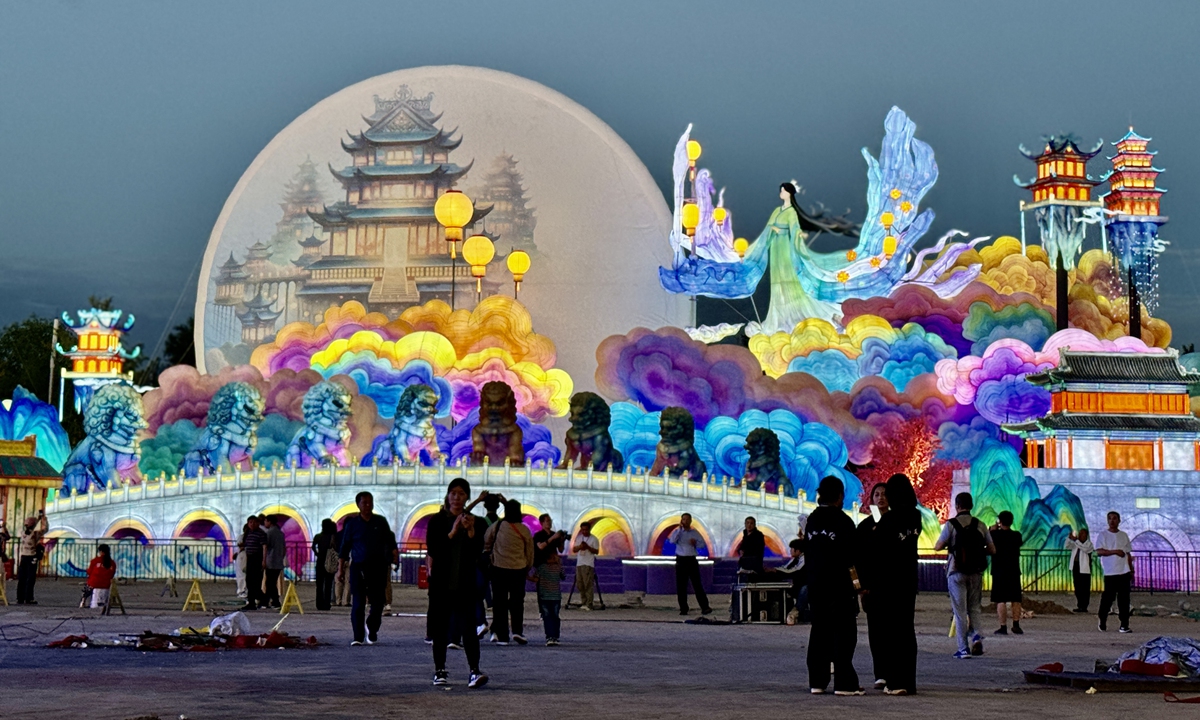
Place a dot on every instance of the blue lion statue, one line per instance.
(322, 440)
(413, 439)
(111, 450)
(230, 431)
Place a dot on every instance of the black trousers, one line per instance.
(1116, 586)
(448, 609)
(324, 588)
(368, 584)
(833, 637)
(26, 578)
(1083, 591)
(898, 644)
(687, 568)
(508, 604)
(254, 580)
(273, 586)
(876, 635)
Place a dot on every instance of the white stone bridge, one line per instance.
(636, 510)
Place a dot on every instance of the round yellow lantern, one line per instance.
(518, 265)
(886, 220)
(478, 251)
(719, 215)
(453, 211)
(740, 246)
(889, 246)
(693, 152)
(690, 218)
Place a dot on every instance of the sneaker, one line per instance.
(1103, 625)
(850, 693)
(587, 608)
(355, 643)
(963, 654)
(977, 646)
(372, 638)
(453, 646)
(1124, 629)
(498, 641)
(880, 684)
(519, 639)
(817, 691)
(706, 611)
(897, 691)
(1017, 629)
(492, 638)
(481, 631)
(478, 679)
(1002, 631)
(551, 642)
(441, 677)
(428, 641)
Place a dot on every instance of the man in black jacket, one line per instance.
(751, 549)
(829, 539)
(365, 552)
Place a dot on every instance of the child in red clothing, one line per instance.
(100, 575)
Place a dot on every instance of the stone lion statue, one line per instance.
(763, 468)
(413, 432)
(230, 431)
(676, 451)
(497, 437)
(111, 450)
(322, 440)
(588, 439)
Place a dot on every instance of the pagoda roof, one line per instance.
(1109, 423)
(27, 471)
(259, 314)
(258, 251)
(230, 263)
(1131, 170)
(430, 170)
(311, 241)
(1131, 135)
(1116, 367)
(1061, 144)
(342, 213)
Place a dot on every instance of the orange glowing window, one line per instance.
(1071, 194)
(91, 366)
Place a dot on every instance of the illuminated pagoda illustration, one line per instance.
(511, 221)
(258, 320)
(1061, 195)
(98, 357)
(1132, 217)
(386, 248)
(1114, 411)
(295, 227)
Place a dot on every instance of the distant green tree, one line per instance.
(180, 348)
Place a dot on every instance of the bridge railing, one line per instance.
(709, 488)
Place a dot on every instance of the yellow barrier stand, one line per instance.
(114, 601)
(194, 597)
(290, 599)
(3, 592)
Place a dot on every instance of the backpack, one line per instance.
(969, 548)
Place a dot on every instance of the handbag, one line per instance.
(331, 561)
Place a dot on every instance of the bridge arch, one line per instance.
(417, 520)
(205, 523)
(776, 547)
(130, 527)
(659, 541)
(611, 527)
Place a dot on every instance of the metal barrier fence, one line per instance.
(179, 558)
(188, 559)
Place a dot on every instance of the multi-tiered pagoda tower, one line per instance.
(98, 358)
(386, 248)
(511, 220)
(302, 195)
(1132, 221)
(1061, 194)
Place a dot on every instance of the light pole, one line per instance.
(518, 265)
(478, 251)
(454, 211)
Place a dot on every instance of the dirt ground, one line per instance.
(636, 662)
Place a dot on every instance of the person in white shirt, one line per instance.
(1081, 568)
(688, 541)
(586, 547)
(1115, 551)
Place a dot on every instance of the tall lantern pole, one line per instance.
(478, 251)
(454, 211)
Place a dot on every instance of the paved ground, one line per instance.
(619, 663)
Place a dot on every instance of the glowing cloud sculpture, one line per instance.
(25, 415)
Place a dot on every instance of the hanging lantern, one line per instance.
(886, 219)
(693, 152)
(740, 246)
(453, 211)
(478, 251)
(518, 265)
(691, 218)
(719, 215)
(889, 246)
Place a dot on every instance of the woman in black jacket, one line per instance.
(894, 591)
(868, 576)
(321, 545)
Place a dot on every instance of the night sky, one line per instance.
(124, 126)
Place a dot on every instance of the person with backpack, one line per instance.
(969, 543)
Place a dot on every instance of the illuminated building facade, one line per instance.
(1114, 411)
(98, 357)
(1132, 217)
